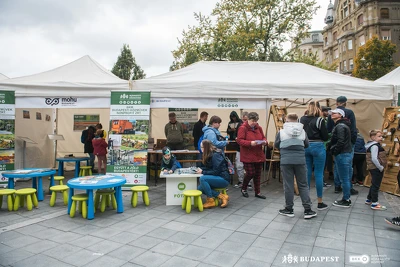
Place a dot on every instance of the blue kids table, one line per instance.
(77, 161)
(34, 173)
(90, 183)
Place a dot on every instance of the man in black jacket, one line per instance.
(198, 129)
(341, 149)
(341, 103)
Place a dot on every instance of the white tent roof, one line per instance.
(3, 77)
(81, 78)
(392, 77)
(260, 80)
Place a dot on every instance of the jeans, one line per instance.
(208, 182)
(335, 176)
(344, 171)
(315, 157)
(376, 180)
(91, 159)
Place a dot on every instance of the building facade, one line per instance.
(312, 44)
(350, 23)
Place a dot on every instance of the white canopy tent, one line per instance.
(3, 77)
(80, 87)
(392, 77)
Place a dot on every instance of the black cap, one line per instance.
(341, 99)
(325, 108)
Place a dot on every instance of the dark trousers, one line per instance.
(253, 171)
(376, 180)
(329, 161)
(358, 164)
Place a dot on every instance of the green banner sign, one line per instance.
(130, 98)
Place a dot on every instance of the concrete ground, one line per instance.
(249, 232)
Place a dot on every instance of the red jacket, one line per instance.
(100, 146)
(245, 135)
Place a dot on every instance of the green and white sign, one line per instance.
(128, 137)
(7, 133)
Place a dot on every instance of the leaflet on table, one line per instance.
(89, 182)
(114, 180)
(20, 171)
(260, 142)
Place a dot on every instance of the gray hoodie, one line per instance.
(291, 141)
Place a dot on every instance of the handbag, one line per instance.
(231, 168)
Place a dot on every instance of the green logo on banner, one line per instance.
(181, 186)
(130, 98)
(7, 97)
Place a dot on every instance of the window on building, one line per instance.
(336, 53)
(385, 34)
(335, 36)
(384, 13)
(351, 64)
(344, 46)
(326, 41)
(345, 12)
(349, 44)
(362, 40)
(304, 52)
(315, 38)
(360, 20)
(309, 51)
(344, 66)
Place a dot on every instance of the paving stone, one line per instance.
(146, 242)
(334, 234)
(39, 247)
(274, 234)
(124, 237)
(332, 243)
(333, 257)
(360, 248)
(233, 247)
(271, 244)
(212, 238)
(207, 222)
(86, 229)
(196, 229)
(168, 248)
(300, 239)
(106, 232)
(183, 238)
(39, 261)
(106, 261)
(126, 252)
(237, 218)
(28, 230)
(392, 253)
(162, 233)
(176, 226)
(229, 225)
(104, 247)
(21, 241)
(179, 261)
(246, 213)
(259, 254)
(61, 251)
(387, 243)
(82, 257)
(361, 223)
(243, 262)
(360, 238)
(389, 233)
(351, 228)
(242, 238)
(194, 252)
(11, 257)
(141, 229)
(220, 258)
(150, 258)
(280, 226)
(86, 241)
(64, 237)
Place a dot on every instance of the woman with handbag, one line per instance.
(251, 139)
(215, 174)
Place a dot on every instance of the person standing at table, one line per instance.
(100, 150)
(86, 138)
(233, 125)
(251, 139)
(315, 128)
(215, 174)
(174, 133)
(212, 133)
(99, 126)
(198, 129)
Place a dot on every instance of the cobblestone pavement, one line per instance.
(249, 232)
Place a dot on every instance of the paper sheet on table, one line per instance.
(114, 180)
(89, 182)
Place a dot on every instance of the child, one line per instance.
(169, 162)
(100, 150)
(291, 142)
(376, 162)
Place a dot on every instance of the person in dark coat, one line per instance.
(198, 129)
(86, 138)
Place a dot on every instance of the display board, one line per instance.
(7, 133)
(391, 144)
(128, 137)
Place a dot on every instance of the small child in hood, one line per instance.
(376, 162)
(169, 163)
(291, 141)
(100, 150)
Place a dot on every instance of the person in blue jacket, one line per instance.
(169, 163)
(215, 174)
(212, 133)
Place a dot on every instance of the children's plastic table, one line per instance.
(77, 161)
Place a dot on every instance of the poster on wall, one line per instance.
(81, 122)
(7, 133)
(128, 137)
(187, 117)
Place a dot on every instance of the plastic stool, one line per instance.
(145, 195)
(222, 191)
(102, 197)
(58, 188)
(187, 200)
(85, 170)
(82, 206)
(10, 198)
(59, 179)
(29, 194)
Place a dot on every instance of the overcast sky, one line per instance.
(39, 35)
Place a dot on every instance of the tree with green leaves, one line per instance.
(245, 30)
(126, 67)
(310, 59)
(374, 59)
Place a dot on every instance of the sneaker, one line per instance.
(338, 189)
(322, 206)
(308, 214)
(249, 187)
(286, 212)
(354, 182)
(377, 206)
(238, 185)
(360, 183)
(353, 192)
(244, 193)
(327, 185)
(342, 203)
(368, 202)
(260, 196)
(394, 221)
